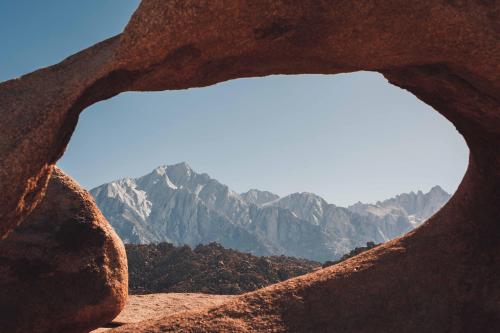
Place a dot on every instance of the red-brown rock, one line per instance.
(440, 278)
(64, 269)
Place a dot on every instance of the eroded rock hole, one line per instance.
(338, 162)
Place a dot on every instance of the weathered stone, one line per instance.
(440, 278)
(64, 269)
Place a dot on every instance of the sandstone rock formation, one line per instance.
(441, 277)
(64, 269)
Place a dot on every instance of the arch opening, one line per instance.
(320, 144)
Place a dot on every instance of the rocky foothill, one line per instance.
(208, 269)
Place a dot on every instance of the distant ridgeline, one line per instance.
(174, 204)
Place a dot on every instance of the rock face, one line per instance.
(64, 269)
(418, 207)
(177, 205)
(442, 277)
(258, 197)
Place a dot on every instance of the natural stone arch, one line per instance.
(444, 52)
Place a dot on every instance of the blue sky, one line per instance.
(346, 137)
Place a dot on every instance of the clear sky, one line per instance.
(346, 137)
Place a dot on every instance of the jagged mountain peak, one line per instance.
(304, 198)
(178, 176)
(305, 205)
(438, 189)
(182, 168)
(177, 173)
(258, 197)
(418, 206)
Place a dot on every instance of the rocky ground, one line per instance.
(210, 269)
(155, 306)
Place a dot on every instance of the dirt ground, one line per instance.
(154, 306)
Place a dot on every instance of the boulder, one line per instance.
(64, 269)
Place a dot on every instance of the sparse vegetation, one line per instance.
(208, 268)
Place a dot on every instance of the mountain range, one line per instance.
(177, 205)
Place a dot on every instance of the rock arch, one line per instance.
(444, 51)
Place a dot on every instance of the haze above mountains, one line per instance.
(177, 205)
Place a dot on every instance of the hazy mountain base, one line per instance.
(177, 205)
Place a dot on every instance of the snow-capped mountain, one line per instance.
(177, 205)
(258, 197)
(418, 207)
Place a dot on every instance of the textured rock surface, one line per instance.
(258, 197)
(442, 277)
(64, 269)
